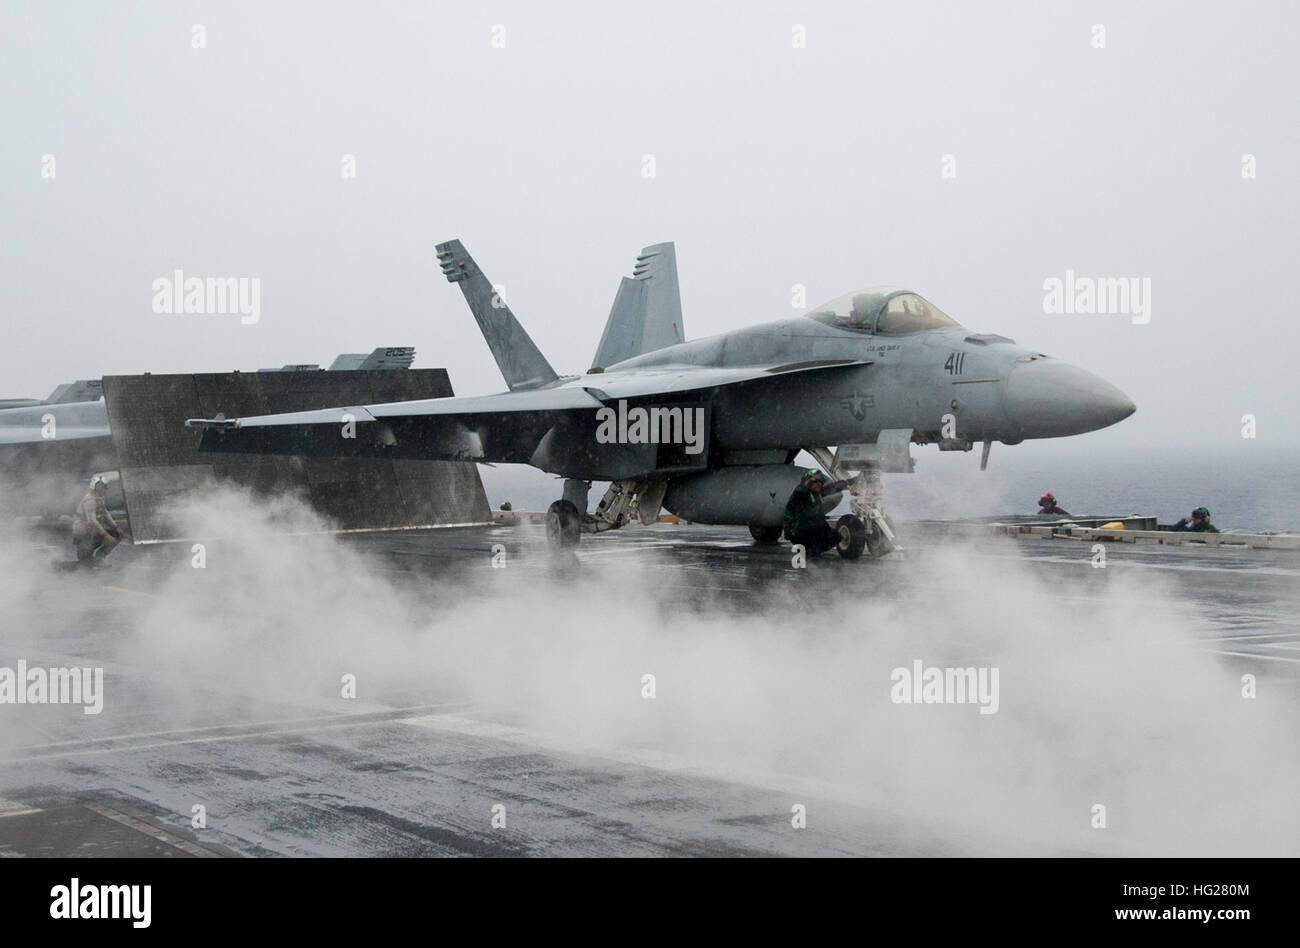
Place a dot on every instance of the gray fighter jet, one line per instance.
(710, 429)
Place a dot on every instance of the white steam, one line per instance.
(1106, 694)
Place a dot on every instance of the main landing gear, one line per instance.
(624, 502)
(563, 524)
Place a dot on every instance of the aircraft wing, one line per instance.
(563, 399)
(42, 424)
(505, 428)
(24, 434)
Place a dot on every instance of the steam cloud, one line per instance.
(1107, 693)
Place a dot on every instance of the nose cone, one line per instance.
(1050, 399)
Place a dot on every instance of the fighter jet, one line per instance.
(710, 429)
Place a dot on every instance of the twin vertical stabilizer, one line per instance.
(646, 315)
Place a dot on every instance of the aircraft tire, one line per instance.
(764, 534)
(853, 537)
(877, 544)
(563, 525)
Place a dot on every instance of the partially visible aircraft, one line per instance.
(76, 410)
(393, 357)
(82, 390)
(710, 429)
(51, 448)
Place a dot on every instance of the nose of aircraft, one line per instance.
(1050, 399)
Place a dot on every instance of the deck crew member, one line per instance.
(1199, 522)
(804, 519)
(94, 531)
(1047, 506)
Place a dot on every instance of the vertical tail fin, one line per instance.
(647, 310)
(82, 390)
(385, 357)
(519, 359)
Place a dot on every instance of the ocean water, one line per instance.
(1245, 490)
(1247, 487)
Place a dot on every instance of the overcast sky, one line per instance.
(774, 165)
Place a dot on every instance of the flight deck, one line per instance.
(665, 690)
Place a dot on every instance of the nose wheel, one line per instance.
(853, 537)
(867, 527)
(880, 535)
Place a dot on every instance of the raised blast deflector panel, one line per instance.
(160, 461)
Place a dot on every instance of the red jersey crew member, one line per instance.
(1047, 507)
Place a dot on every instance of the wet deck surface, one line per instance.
(766, 699)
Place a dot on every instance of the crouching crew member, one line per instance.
(1199, 522)
(804, 519)
(94, 531)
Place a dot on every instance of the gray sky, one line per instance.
(774, 166)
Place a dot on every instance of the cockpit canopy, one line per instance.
(882, 310)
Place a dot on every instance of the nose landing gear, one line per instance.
(867, 526)
(853, 537)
